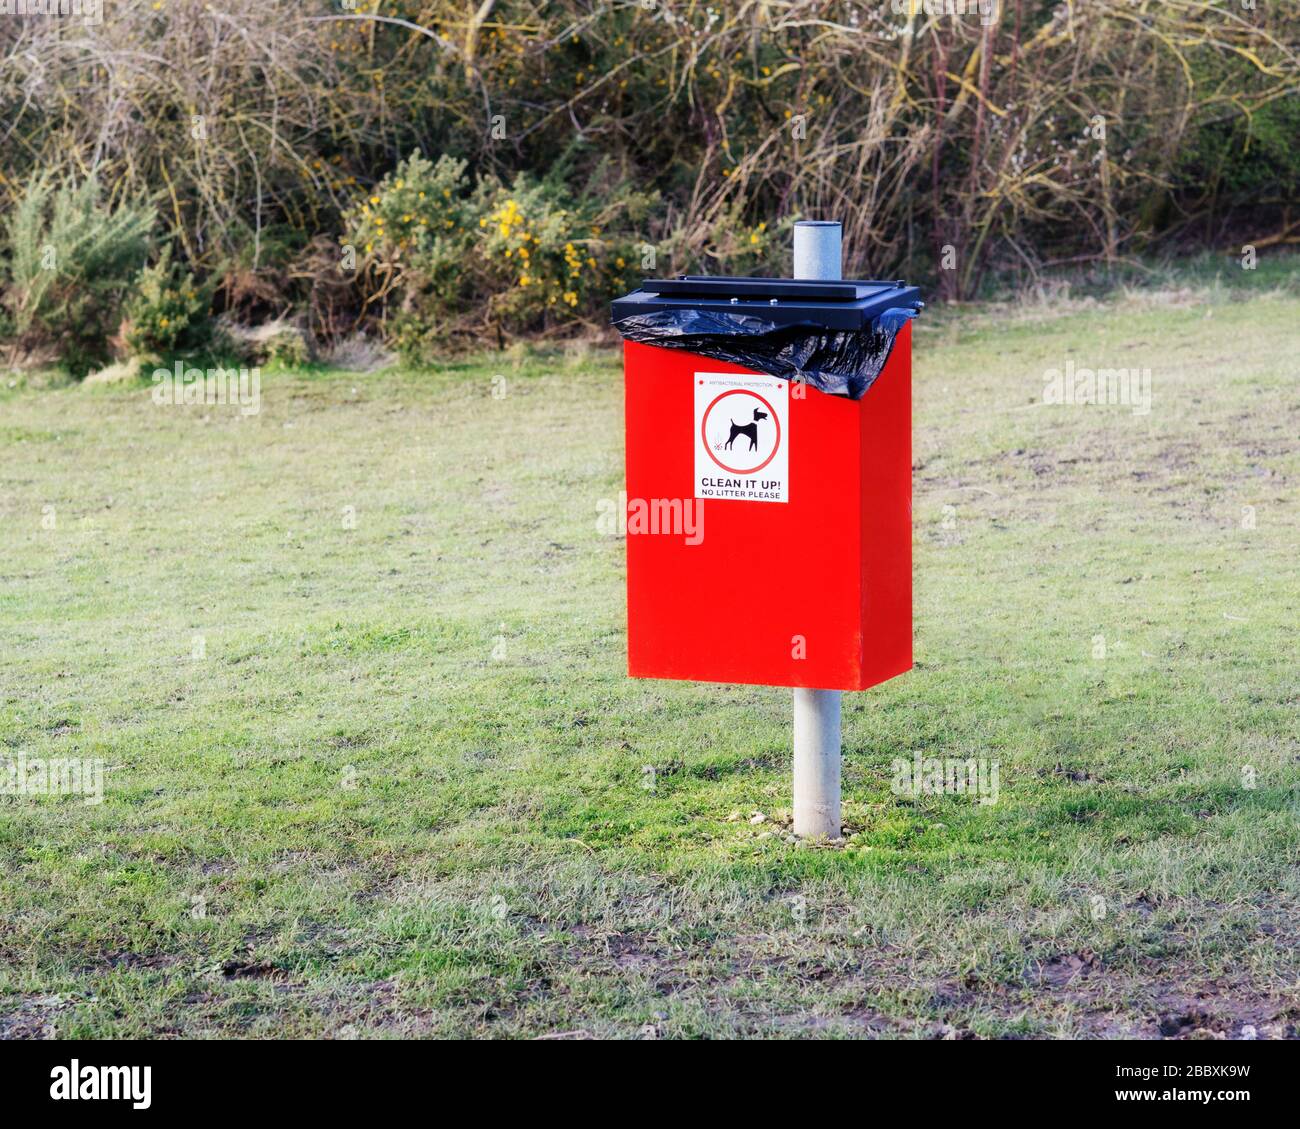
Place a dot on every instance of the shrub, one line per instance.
(288, 347)
(168, 312)
(71, 260)
(414, 228)
(445, 256)
(543, 254)
(280, 341)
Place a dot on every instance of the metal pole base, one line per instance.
(817, 764)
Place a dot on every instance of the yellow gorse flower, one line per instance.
(573, 260)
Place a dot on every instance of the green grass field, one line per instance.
(355, 667)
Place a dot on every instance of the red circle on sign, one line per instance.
(704, 433)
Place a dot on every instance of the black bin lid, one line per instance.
(841, 305)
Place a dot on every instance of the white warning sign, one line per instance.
(742, 438)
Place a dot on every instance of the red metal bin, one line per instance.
(769, 521)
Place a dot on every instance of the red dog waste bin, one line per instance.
(769, 480)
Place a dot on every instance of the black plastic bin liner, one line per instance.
(835, 336)
(842, 362)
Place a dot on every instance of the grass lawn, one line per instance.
(355, 665)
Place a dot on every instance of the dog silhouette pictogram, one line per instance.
(749, 429)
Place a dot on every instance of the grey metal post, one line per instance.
(817, 712)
